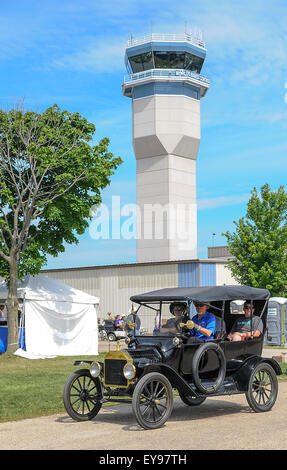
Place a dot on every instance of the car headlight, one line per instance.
(176, 341)
(95, 369)
(129, 371)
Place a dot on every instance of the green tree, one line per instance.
(50, 177)
(259, 243)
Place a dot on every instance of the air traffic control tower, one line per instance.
(166, 85)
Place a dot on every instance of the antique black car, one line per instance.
(152, 369)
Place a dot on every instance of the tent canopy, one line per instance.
(43, 287)
(59, 320)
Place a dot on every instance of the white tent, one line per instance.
(59, 320)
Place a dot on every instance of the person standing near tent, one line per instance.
(3, 316)
(133, 323)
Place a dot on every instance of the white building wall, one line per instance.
(223, 275)
(85, 280)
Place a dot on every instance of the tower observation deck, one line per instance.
(166, 85)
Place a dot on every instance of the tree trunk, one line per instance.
(12, 307)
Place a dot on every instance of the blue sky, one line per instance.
(72, 53)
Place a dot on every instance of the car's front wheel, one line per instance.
(152, 400)
(82, 395)
(262, 388)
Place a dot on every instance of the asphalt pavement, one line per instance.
(220, 423)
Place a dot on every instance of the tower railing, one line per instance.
(166, 38)
(174, 73)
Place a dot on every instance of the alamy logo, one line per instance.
(150, 222)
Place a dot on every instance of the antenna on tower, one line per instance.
(197, 33)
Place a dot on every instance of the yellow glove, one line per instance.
(189, 324)
(131, 325)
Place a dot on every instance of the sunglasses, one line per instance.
(247, 308)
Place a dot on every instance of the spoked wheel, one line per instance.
(263, 388)
(152, 400)
(82, 396)
(191, 401)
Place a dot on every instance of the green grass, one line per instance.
(31, 388)
(284, 370)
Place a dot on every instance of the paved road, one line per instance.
(219, 423)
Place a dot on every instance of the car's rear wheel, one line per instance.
(152, 400)
(262, 388)
(82, 395)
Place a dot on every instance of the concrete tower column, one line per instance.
(166, 135)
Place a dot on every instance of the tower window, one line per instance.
(166, 60)
(169, 60)
(141, 62)
(193, 63)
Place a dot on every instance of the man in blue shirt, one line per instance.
(204, 323)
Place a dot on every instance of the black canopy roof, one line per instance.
(203, 294)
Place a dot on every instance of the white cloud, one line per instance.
(275, 117)
(90, 35)
(246, 41)
(100, 56)
(220, 201)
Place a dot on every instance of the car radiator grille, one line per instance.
(114, 372)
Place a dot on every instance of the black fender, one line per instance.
(173, 376)
(89, 362)
(242, 376)
(82, 361)
(273, 363)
